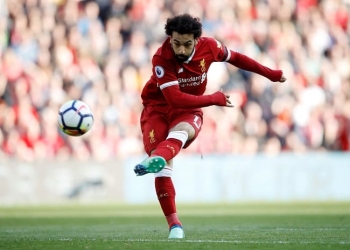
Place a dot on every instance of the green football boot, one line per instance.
(152, 164)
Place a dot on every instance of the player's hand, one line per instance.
(221, 99)
(228, 101)
(283, 78)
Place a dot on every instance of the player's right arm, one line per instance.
(168, 83)
(178, 99)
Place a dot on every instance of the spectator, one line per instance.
(99, 51)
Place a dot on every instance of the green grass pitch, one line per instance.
(207, 226)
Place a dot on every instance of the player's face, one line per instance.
(183, 45)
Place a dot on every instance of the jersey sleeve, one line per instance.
(220, 52)
(164, 72)
(246, 63)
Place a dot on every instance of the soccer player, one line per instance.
(173, 98)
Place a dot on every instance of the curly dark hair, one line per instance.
(184, 24)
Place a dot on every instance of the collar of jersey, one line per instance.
(191, 56)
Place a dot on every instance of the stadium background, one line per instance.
(100, 52)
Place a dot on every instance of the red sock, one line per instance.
(168, 149)
(166, 195)
(172, 220)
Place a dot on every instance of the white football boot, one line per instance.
(176, 232)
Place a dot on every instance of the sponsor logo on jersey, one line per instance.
(159, 71)
(192, 81)
(203, 77)
(151, 136)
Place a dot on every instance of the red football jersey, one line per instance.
(191, 75)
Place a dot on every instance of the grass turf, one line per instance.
(218, 226)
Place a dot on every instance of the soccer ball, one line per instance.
(75, 118)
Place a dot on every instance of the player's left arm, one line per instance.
(223, 54)
(246, 63)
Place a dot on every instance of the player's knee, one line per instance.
(191, 132)
(185, 127)
(179, 135)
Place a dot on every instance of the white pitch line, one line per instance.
(315, 229)
(235, 241)
(221, 241)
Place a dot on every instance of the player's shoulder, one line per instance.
(164, 50)
(164, 55)
(209, 41)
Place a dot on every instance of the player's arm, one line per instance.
(178, 99)
(223, 54)
(244, 62)
(166, 77)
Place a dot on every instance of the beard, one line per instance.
(181, 58)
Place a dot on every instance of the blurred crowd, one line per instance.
(100, 52)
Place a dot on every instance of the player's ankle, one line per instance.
(173, 219)
(175, 224)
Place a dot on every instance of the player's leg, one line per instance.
(185, 126)
(176, 139)
(166, 196)
(163, 182)
(167, 149)
(155, 127)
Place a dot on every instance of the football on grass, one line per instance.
(75, 118)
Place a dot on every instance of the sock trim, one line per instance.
(179, 135)
(167, 171)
